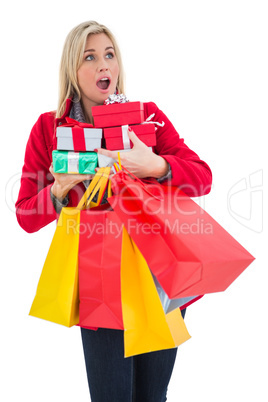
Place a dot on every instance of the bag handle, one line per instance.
(121, 168)
(101, 186)
(109, 188)
(98, 183)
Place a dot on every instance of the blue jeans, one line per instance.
(113, 378)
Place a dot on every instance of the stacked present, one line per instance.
(76, 141)
(75, 148)
(115, 116)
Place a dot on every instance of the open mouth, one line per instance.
(103, 83)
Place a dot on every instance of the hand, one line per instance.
(140, 161)
(64, 182)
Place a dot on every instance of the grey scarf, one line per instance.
(76, 112)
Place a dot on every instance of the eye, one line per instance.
(90, 57)
(109, 55)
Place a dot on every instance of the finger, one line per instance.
(133, 137)
(88, 176)
(83, 177)
(77, 178)
(106, 152)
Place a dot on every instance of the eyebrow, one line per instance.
(93, 50)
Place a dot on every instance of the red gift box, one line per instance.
(118, 114)
(77, 136)
(117, 137)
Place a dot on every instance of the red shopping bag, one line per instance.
(99, 260)
(185, 248)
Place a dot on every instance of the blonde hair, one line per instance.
(71, 60)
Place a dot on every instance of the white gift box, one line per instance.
(67, 139)
(104, 161)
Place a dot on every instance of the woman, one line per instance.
(91, 70)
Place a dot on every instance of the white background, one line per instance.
(204, 63)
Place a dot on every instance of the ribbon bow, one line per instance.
(78, 135)
(116, 98)
(75, 123)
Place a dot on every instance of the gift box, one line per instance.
(117, 137)
(105, 161)
(118, 114)
(74, 162)
(78, 138)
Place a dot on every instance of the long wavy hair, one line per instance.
(72, 57)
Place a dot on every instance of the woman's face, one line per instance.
(98, 74)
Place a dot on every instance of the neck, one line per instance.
(86, 106)
(87, 113)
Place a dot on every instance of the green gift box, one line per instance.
(74, 162)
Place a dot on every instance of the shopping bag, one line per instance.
(57, 296)
(171, 304)
(146, 327)
(99, 269)
(186, 249)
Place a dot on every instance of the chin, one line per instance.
(103, 97)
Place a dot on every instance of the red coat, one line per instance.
(34, 207)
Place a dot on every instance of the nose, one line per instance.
(103, 66)
(103, 69)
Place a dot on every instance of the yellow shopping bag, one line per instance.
(57, 296)
(146, 327)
